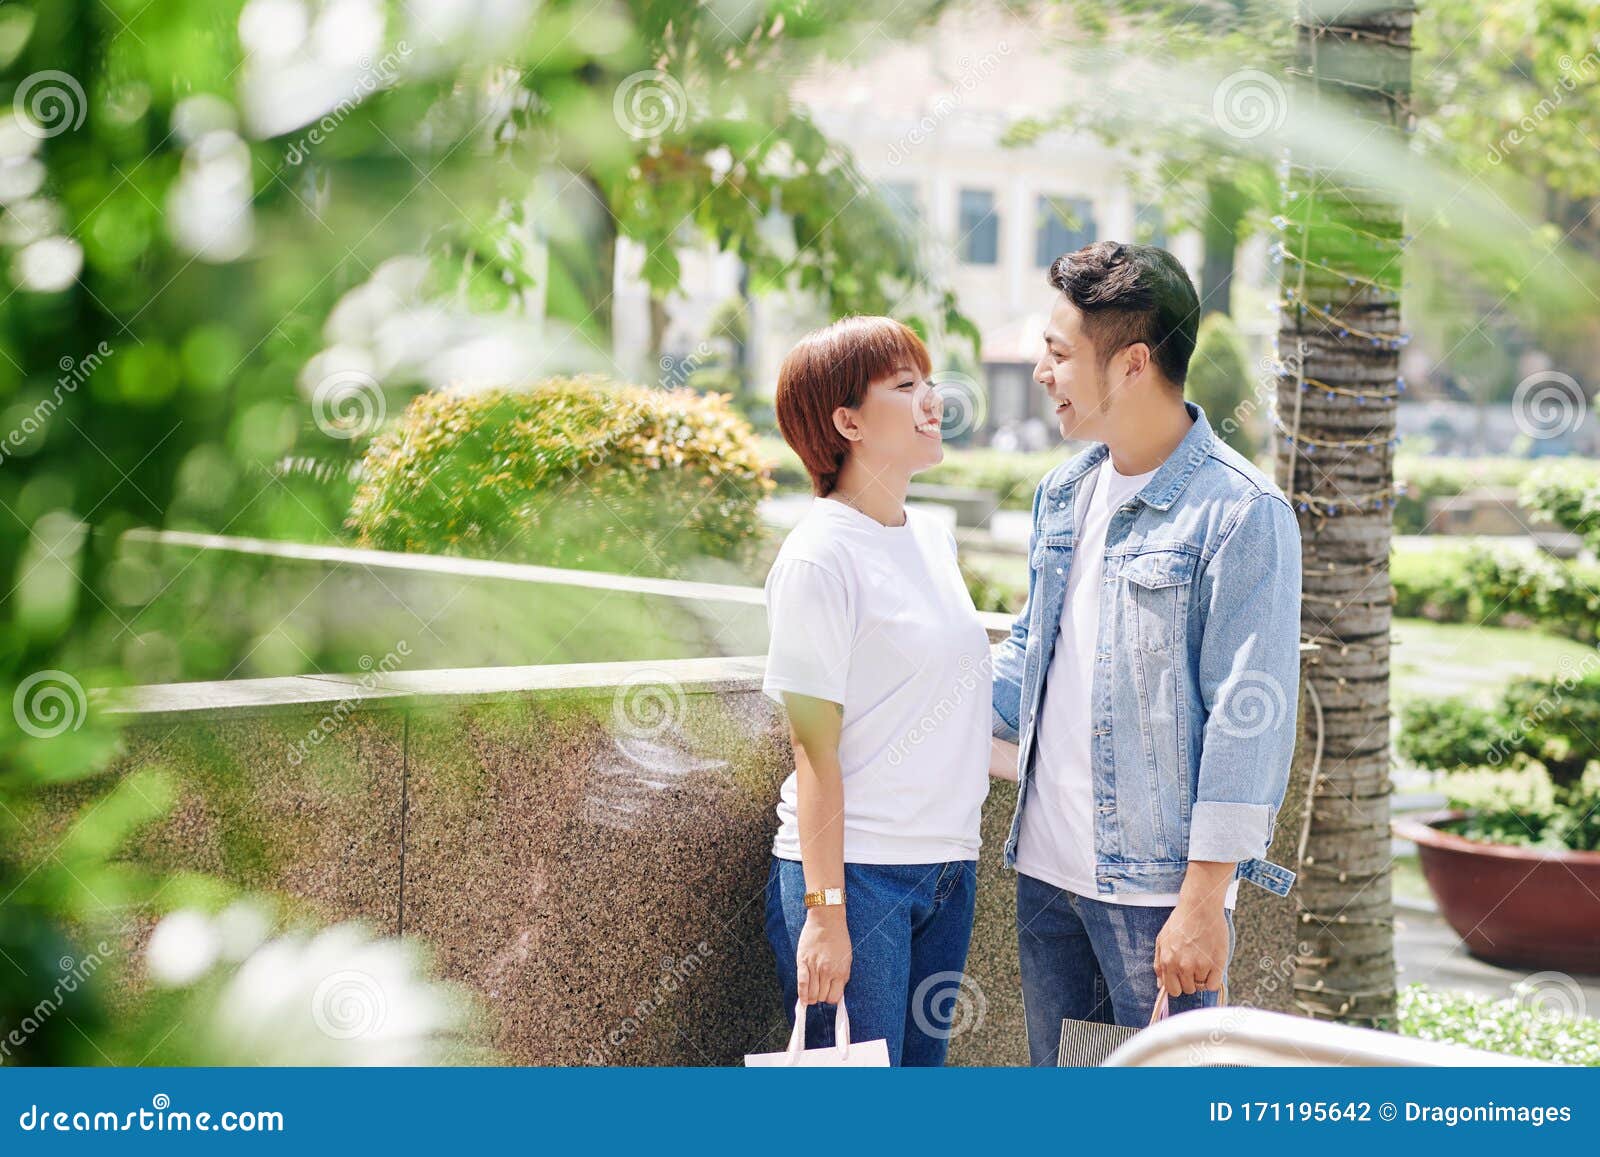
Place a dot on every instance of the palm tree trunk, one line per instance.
(1339, 347)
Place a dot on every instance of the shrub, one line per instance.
(1553, 723)
(577, 472)
(1568, 495)
(1447, 734)
(1219, 380)
(1520, 1026)
(1498, 586)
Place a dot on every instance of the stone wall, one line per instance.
(585, 847)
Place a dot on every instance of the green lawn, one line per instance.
(1434, 660)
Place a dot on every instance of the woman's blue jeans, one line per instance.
(910, 925)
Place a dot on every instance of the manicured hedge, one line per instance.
(1498, 587)
(579, 472)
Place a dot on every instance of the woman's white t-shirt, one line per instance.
(877, 619)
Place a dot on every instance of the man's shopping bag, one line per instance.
(845, 1053)
(1087, 1043)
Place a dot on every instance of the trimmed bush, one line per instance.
(1551, 723)
(575, 472)
(1568, 494)
(1498, 587)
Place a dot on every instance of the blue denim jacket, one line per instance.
(1197, 666)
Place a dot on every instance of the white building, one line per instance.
(925, 121)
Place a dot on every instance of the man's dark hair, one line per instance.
(1133, 293)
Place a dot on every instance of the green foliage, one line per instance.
(577, 472)
(1568, 494)
(1542, 734)
(1522, 1026)
(1498, 587)
(1219, 380)
(1449, 734)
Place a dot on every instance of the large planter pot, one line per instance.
(1518, 907)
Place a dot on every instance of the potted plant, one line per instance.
(1514, 864)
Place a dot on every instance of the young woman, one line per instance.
(882, 664)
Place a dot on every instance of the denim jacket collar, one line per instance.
(1173, 475)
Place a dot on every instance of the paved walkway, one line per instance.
(1428, 952)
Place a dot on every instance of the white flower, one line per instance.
(181, 949)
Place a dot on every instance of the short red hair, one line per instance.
(832, 367)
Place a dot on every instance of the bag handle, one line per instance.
(1159, 1012)
(797, 1038)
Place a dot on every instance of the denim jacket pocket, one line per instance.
(1157, 583)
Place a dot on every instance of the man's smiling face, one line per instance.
(1071, 373)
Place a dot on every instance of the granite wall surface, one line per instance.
(584, 846)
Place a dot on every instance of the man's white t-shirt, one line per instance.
(1056, 843)
(878, 619)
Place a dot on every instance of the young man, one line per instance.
(1151, 681)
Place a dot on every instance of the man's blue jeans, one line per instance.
(1085, 959)
(910, 925)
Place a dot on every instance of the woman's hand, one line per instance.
(822, 964)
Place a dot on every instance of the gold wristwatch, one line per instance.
(825, 898)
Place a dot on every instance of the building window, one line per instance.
(1150, 226)
(1062, 224)
(979, 238)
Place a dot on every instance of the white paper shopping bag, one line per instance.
(870, 1054)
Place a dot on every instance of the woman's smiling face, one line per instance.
(899, 423)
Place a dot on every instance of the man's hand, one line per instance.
(1192, 947)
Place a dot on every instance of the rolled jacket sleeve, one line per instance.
(1249, 682)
